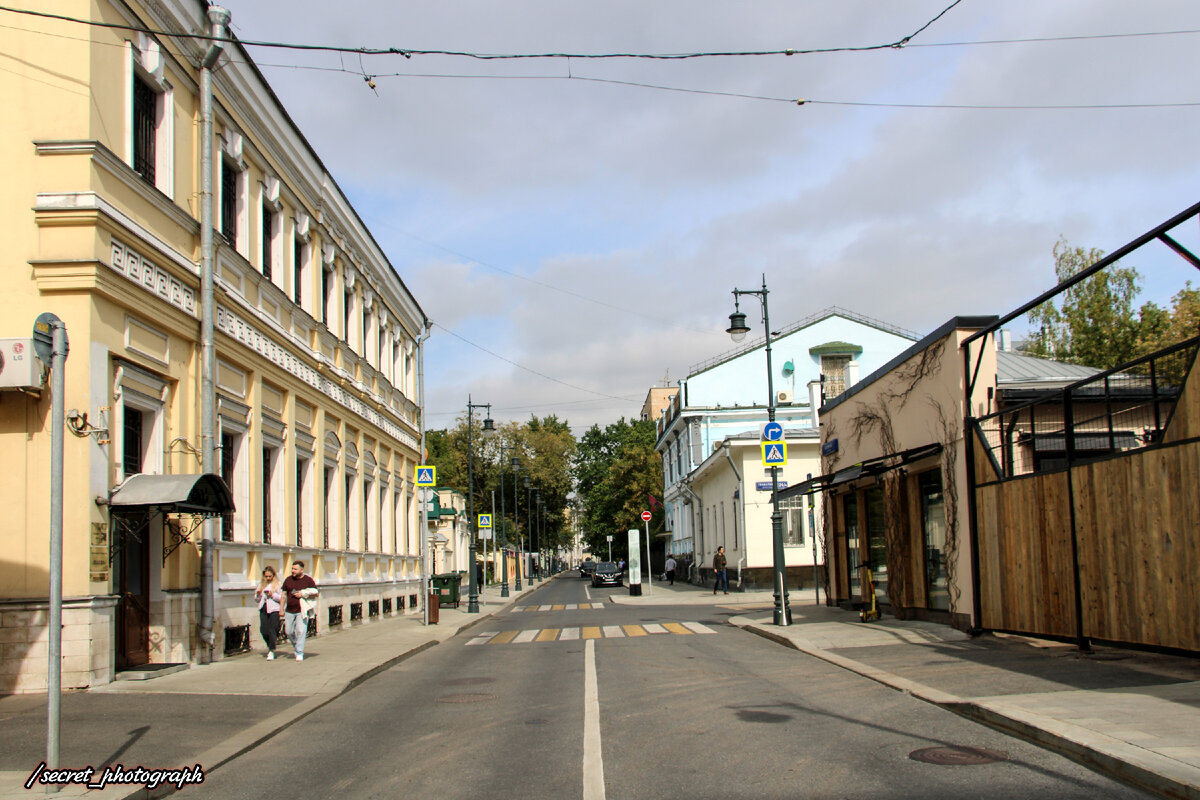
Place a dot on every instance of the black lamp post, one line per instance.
(488, 428)
(517, 521)
(737, 330)
(528, 511)
(516, 463)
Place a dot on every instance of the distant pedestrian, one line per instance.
(268, 595)
(301, 593)
(670, 566)
(722, 579)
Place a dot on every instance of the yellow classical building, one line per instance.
(314, 392)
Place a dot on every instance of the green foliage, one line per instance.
(615, 470)
(543, 446)
(1093, 322)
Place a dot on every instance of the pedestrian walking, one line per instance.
(268, 595)
(301, 593)
(722, 579)
(670, 567)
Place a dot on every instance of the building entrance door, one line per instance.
(131, 578)
(876, 549)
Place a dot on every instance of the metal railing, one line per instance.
(1124, 409)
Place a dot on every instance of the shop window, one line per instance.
(933, 521)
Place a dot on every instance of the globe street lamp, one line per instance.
(737, 330)
(488, 429)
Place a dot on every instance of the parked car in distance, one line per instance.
(606, 573)
(587, 568)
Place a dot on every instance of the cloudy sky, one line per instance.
(574, 233)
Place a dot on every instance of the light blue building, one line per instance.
(715, 487)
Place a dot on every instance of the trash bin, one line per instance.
(447, 586)
(434, 606)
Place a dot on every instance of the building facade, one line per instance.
(716, 489)
(316, 338)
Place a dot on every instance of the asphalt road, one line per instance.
(620, 701)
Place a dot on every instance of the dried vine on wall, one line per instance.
(948, 429)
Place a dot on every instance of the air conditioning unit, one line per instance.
(783, 398)
(20, 368)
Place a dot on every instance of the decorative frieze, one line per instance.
(152, 277)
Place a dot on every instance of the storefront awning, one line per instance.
(866, 468)
(203, 495)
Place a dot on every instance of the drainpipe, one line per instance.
(424, 534)
(745, 542)
(219, 19)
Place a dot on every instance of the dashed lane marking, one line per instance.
(590, 632)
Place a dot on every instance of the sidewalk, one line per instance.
(1130, 714)
(210, 714)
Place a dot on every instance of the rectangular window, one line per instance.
(301, 492)
(328, 502)
(793, 512)
(347, 315)
(268, 239)
(877, 540)
(133, 448)
(145, 129)
(268, 475)
(833, 375)
(933, 520)
(228, 462)
(229, 197)
(348, 507)
(326, 287)
(853, 555)
(298, 271)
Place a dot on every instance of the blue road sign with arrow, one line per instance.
(772, 432)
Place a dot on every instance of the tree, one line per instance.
(1093, 322)
(615, 470)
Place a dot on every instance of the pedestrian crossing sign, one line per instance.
(485, 520)
(774, 454)
(426, 475)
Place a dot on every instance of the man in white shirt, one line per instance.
(670, 567)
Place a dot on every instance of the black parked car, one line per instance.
(606, 574)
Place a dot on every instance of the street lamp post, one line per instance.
(488, 428)
(504, 521)
(528, 510)
(517, 521)
(542, 568)
(737, 330)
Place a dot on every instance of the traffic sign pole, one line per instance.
(649, 569)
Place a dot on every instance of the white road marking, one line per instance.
(654, 627)
(698, 627)
(483, 638)
(568, 633)
(593, 759)
(587, 593)
(524, 637)
(613, 632)
(544, 608)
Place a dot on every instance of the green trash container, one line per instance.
(447, 585)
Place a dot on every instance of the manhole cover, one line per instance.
(467, 681)
(953, 756)
(467, 697)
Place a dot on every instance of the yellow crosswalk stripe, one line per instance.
(504, 637)
(634, 630)
(675, 627)
(547, 635)
(558, 607)
(590, 632)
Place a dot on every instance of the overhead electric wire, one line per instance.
(408, 52)
(529, 369)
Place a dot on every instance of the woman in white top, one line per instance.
(268, 595)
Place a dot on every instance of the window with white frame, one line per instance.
(270, 493)
(235, 211)
(834, 369)
(150, 142)
(233, 424)
(141, 398)
(795, 519)
(269, 237)
(303, 499)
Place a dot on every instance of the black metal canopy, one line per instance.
(201, 495)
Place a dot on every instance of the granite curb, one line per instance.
(1117, 759)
